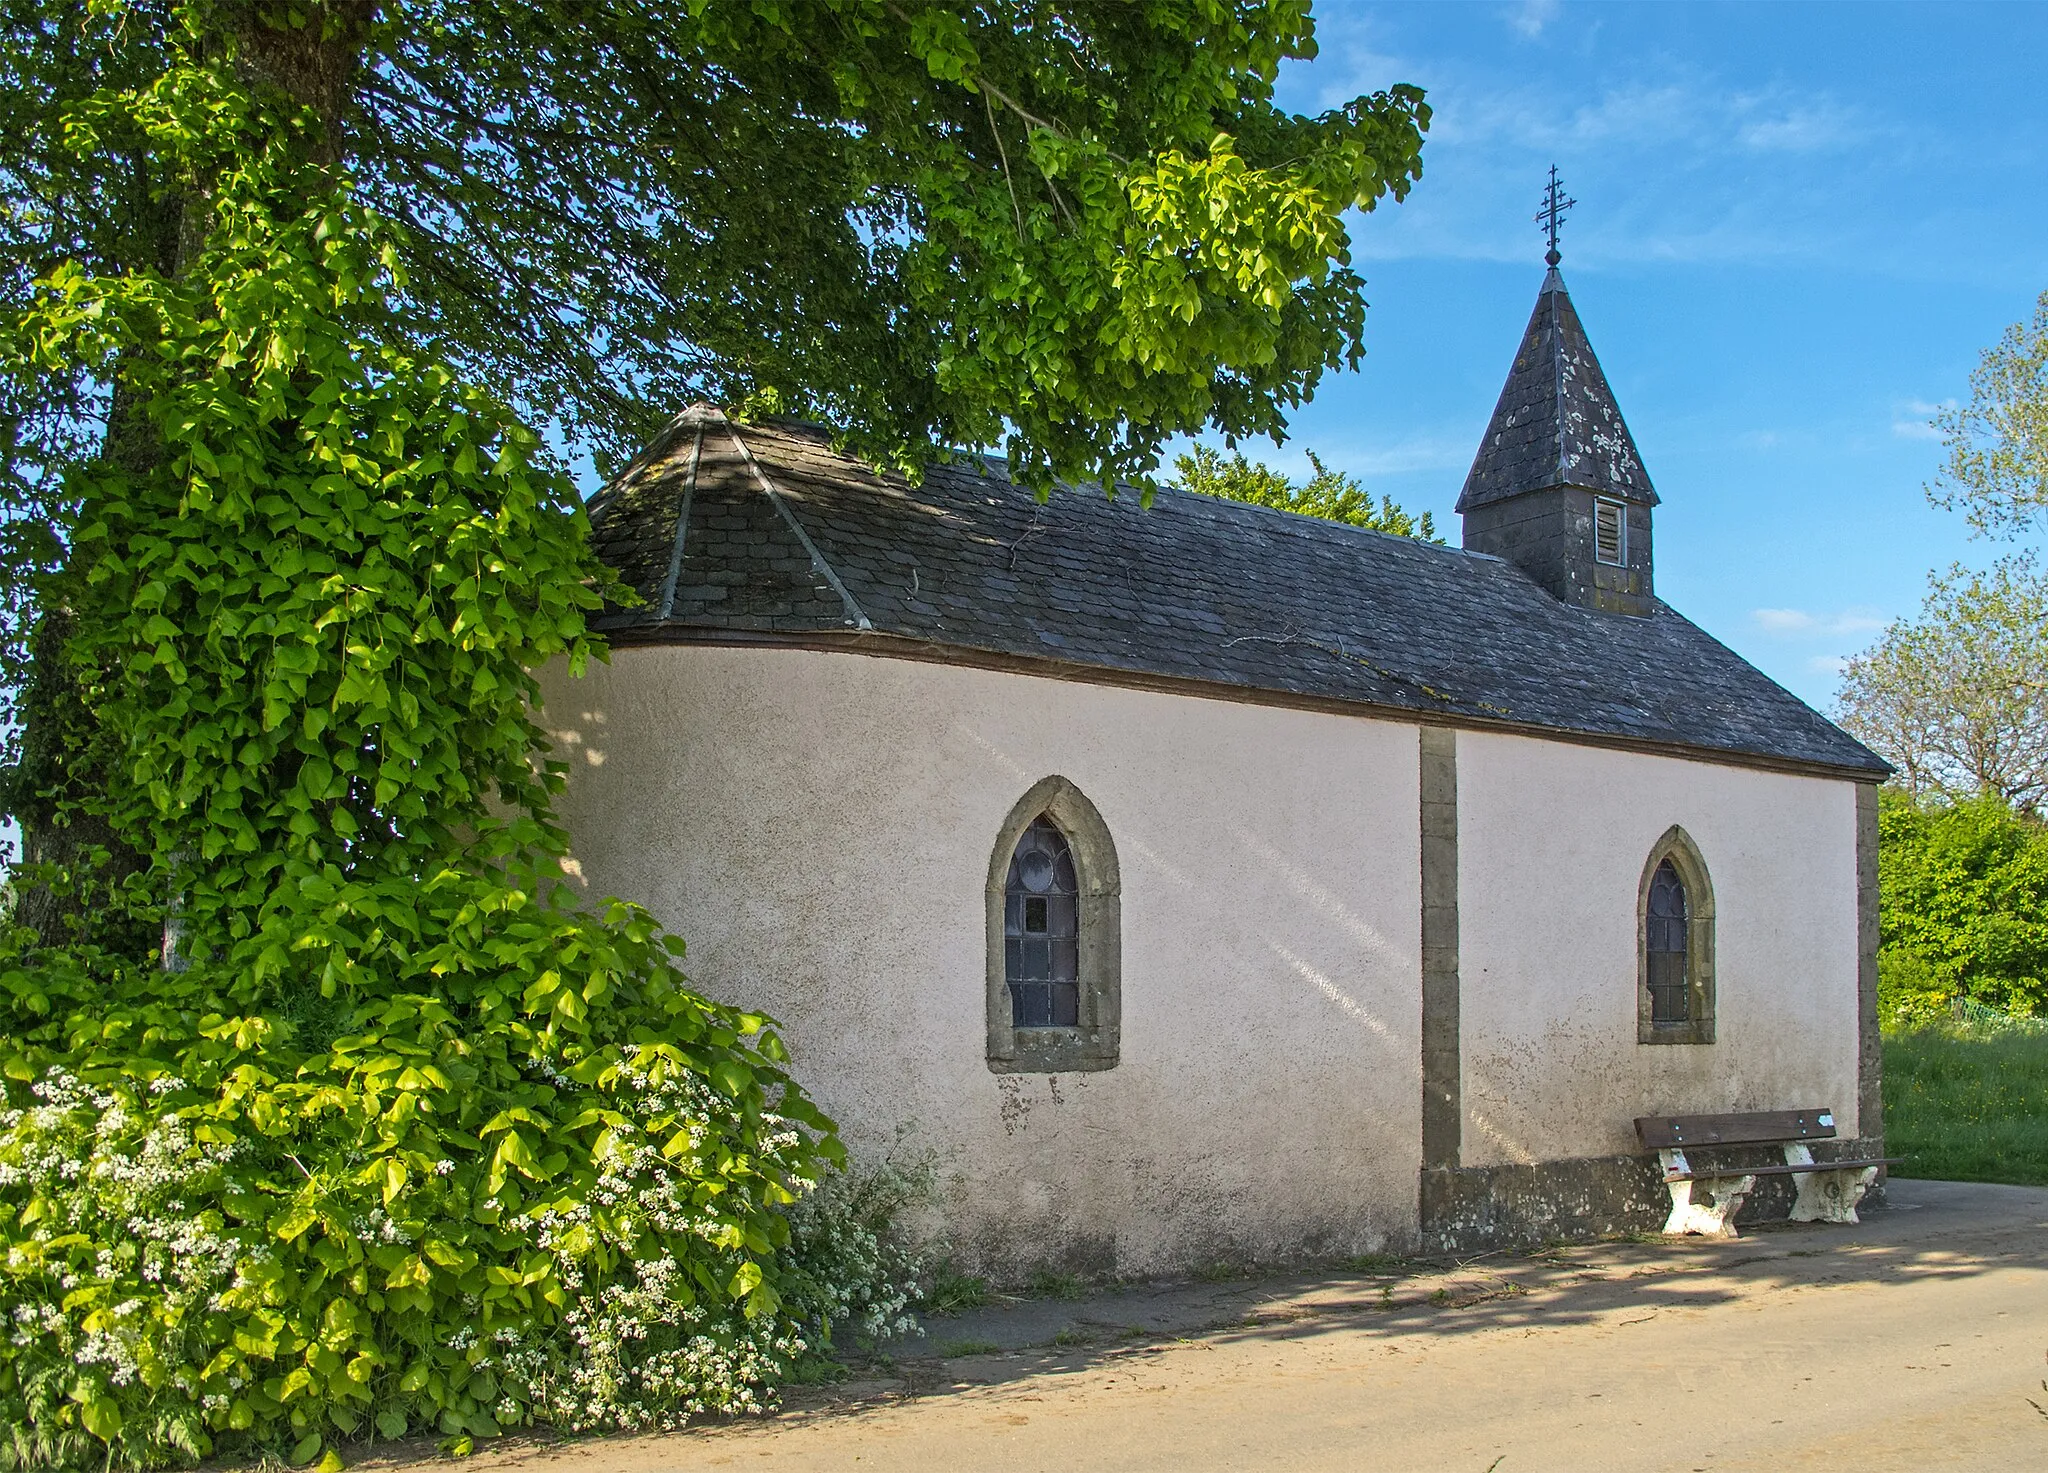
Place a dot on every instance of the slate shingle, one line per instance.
(1556, 423)
(1193, 588)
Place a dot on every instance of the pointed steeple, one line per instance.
(1558, 488)
(1556, 423)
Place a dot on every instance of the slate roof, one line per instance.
(1556, 423)
(762, 532)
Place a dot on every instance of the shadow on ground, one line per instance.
(1927, 1230)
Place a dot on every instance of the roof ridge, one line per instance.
(1217, 592)
(675, 556)
(1549, 295)
(859, 618)
(697, 409)
(1295, 521)
(1307, 520)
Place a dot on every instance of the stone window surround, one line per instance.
(1606, 508)
(1096, 1042)
(1677, 846)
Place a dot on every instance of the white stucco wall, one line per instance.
(818, 826)
(1551, 846)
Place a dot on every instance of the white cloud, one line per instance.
(1350, 62)
(1365, 459)
(1828, 664)
(1782, 621)
(1910, 421)
(1774, 127)
(1487, 154)
(1803, 624)
(1693, 113)
(1531, 16)
(1425, 454)
(1489, 114)
(1649, 153)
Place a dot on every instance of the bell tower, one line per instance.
(1558, 487)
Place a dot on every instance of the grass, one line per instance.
(1374, 1263)
(953, 1348)
(952, 1292)
(1968, 1101)
(813, 1369)
(1052, 1285)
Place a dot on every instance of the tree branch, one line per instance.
(1004, 155)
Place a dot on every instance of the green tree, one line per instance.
(1996, 463)
(1331, 495)
(394, 1134)
(389, 1133)
(1957, 698)
(1964, 907)
(1076, 229)
(1073, 229)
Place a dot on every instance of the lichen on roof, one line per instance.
(1212, 596)
(1556, 423)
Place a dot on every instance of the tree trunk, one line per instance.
(68, 762)
(312, 59)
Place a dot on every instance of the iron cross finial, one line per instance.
(1552, 215)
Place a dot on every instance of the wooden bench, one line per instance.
(1828, 1190)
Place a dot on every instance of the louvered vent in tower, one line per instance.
(1610, 534)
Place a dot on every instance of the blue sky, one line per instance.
(1798, 226)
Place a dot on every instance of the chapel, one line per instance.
(1206, 882)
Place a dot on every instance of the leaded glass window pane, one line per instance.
(1670, 1002)
(1041, 930)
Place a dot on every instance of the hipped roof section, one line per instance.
(761, 533)
(1556, 423)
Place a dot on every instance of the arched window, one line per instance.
(1054, 921)
(1042, 930)
(1666, 945)
(1675, 924)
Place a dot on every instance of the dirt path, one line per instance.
(1912, 1342)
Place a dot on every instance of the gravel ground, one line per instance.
(1918, 1340)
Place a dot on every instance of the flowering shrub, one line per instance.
(109, 1265)
(847, 1263)
(396, 1136)
(234, 1257)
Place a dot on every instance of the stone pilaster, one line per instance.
(1870, 1044)
(1442, 1104)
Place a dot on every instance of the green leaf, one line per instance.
(101, 1416)
(513, 1152)
(745, 1280)
(291, 1224)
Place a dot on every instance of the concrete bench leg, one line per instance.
(1826, 1196)
(1714, 1217)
